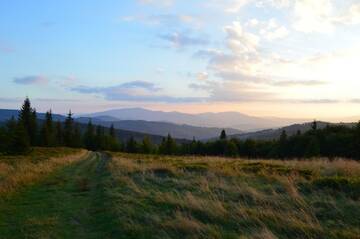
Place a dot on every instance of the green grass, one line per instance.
(185, 197)
(69, 203)
(144, 196)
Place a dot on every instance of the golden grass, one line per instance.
(214, 197)
(23, 170)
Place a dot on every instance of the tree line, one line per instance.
(19, 134)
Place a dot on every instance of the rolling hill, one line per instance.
(162, 128)
(270, 134)
(220, 120)
(123, 135)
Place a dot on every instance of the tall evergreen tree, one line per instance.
(356, 143)
(3, 140)
(131, 146)
(314, 125)
(113, 142)
(27, 117)
(19, 140)
(146, 146)
(89, 136)
(100, 137)
(47, 134)
(168, 146)
(77, 139)
(59, 134)
(231, 149)
(223, 135)
(112, 131)
(283, 144)
(69, 130)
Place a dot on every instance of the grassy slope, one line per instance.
(175, 197)
(136, 196)
(68, 203)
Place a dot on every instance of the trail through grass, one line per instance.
(69, 203)
(150, 196)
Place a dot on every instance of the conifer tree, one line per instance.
(58, 134)
(283, 144)
(231, 149)
(146, 146)
(27, 117)
(77, 141)
(131, 146)
(3, 140)
(314, 125)
(223, 135)
(47, 136)
(69, 130)
(19, 140)
(112, 131)
(113, 142)
(100, 137)
(89, 136)
(357, 141)
(168, 146)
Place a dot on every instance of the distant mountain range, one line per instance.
(234, 120)
(139, 122)
(161, 128)
(7, 114)
(290, 130)
(123, 135)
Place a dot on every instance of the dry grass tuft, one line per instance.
(213, 197)
(27, 171)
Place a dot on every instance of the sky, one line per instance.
(281, 58)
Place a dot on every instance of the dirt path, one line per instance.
(70, 203)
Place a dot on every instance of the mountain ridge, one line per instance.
(229, 119)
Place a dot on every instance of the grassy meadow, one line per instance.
(187, 197)
(18, 171)
(65, 193)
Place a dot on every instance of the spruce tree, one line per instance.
(69, 130)
(356, 142)
(314, 125)
(113, 142)
(27, 117)
(168, 146)
(19, 141)
(131, 146)
(100, 137)
(47, 136)
(112, 131)
(231, 149)
(223, 135)
(283, 144)
(77, 141)
(3, 140)
(146, 146)
(89, 136)
(59, 134)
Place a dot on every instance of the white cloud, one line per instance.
(270, 30)
(239, 40)
(323, 15)
(313, 16)
(202, 76)
(278, 33)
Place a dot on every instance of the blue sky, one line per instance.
(289, 58)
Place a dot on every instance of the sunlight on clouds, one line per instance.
(324, 15)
